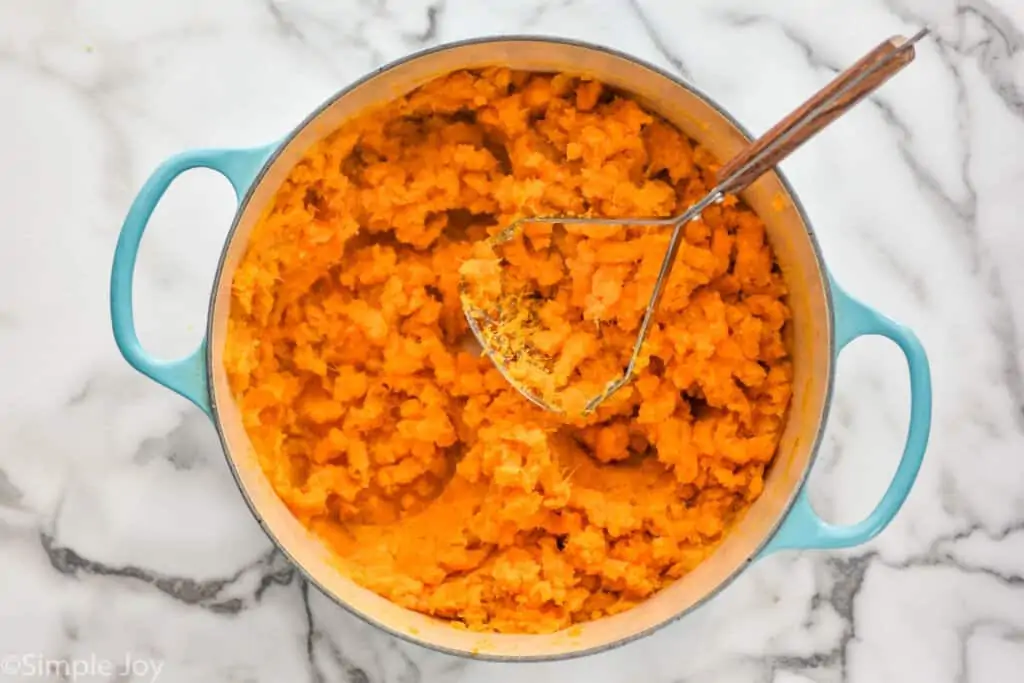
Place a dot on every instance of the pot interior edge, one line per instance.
(810, 331)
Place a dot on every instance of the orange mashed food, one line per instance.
(434, 482)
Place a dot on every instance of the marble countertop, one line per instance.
(122, 534)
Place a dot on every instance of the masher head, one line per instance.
(557, 304)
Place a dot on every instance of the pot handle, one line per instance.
(186, 376)
(802, 528)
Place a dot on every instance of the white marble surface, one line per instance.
(121, 531)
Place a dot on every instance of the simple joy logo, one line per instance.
(92, 667)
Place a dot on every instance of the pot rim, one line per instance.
(408, 637)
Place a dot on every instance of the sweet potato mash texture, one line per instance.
(437, 484)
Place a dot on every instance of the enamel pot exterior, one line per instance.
(825, 319)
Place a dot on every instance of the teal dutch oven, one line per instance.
(825, 320)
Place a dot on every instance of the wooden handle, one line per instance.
(831, 102)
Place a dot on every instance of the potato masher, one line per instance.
(491, 319)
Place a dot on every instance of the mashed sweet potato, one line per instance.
(437, 484)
